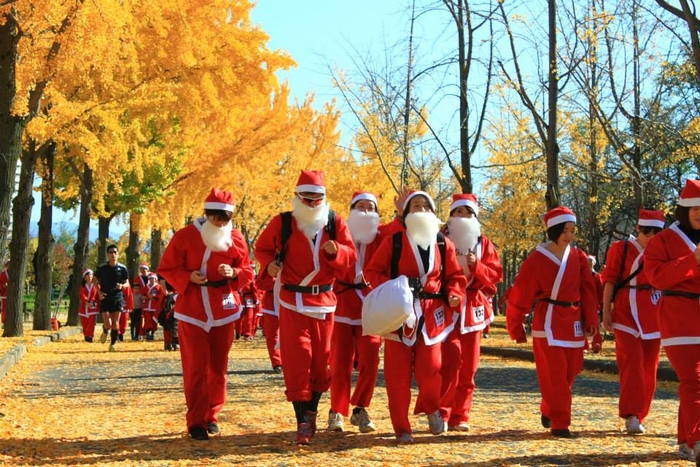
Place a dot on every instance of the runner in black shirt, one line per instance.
(113, 277)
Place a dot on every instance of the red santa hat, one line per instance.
(219, 200)
(690, 196)
(86, 272)
(649, 218)
(143, 266)
(465, 199)
(360, 195)
(312, 181)
(413, 193)
(559, 215)
(592, 259)
(152, 275)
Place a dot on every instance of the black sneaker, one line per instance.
(120, 337)
(546, 422)
(561, 433)
(277, 369)
(212, 428)
(198, 433)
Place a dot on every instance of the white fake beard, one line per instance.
(363, 226)
(310, 219)
(464, 233)
(217, 238)
(422, 228)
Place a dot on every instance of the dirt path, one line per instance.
(72, 403)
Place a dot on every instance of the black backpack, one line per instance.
(287, 232)
(397, 244)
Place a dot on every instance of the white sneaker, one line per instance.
(436, 423)
(112, 348)
(335, 421)
(633, 426)
(686, 452)
(103, 337)
(463, 426)
(405, 438)
(361, 420)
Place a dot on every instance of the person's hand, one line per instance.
(607, 318)
(198, 278)
(453, 301)
(471, 259)
(227, 271)
(592, 330)
(273, 268)
(400, 199)
(330, 247)
(119, 286)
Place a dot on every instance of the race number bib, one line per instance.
(229, 302)
(655, 296)
(478, 313)
(578, 329)
(439, 316)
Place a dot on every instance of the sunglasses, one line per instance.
(311, 201)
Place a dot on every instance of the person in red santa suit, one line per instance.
(4, 282)
(247, 320)
(348, 343)
(461, 350)
(154, 297)
(597, 338)
(205, 262)
(89, 306)
(139, 290)
(438, 284)
(672, 266)
(306, 298)
(270, 319)
(556, 273)
(126, 312)
(630, 310)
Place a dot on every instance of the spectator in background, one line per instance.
(154, 298)
(113, 278)
(89, 306)
(597, 338)
(140, 287)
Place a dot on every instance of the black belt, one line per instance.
(680, 293)
(640, 287)
(352, 285)
(560, 303)
(312, 289)
(431, 295)
(220, 283)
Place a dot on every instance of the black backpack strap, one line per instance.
(330, 226)
(619, 284)
(286, 233)
(441, 249)
(396, 243)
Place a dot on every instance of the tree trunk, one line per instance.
(156, 248)
(11, 126)
(103, 237)
(553, 195)
(43, 265)
(81, 245)
(21, 213)
(465, 181)
(133, 250)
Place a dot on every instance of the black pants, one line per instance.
(135, 324)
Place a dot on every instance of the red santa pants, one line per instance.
(271, 329)
(637, 362)
(123, 319)
(347, 338)
(148, 322)
(3, 306)
(400, 362)
(88, 324)
(685, 359)
(247, 319)
(305, 346)
(557, 368)
(204, 364)
(460, 360)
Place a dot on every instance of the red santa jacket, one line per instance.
(89, 300)
(438, 318)
(670, 265)
(153, 299)
(349, 310)
(306, 264)
(4, 281)
(204, 306)
(477, 312)
(635, 310)
(569, 282)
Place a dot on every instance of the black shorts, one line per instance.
(111, 305)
